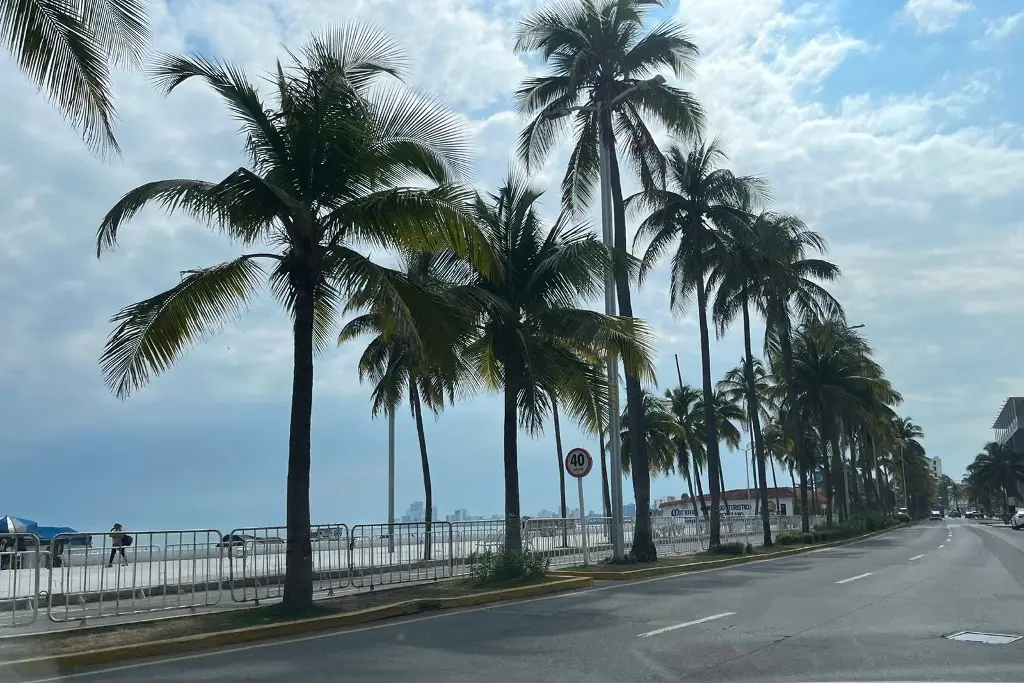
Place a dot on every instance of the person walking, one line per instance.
(119, 540)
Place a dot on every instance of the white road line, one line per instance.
(942, 546)
(916, 557)
(854, 578)
(684, 625)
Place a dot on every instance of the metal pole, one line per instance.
(391, 481)
(583, 523)
(614, 436)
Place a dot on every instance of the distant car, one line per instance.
(1017, 521)
(970, 514)
(954, 513)
(232, 540)
(936, 514)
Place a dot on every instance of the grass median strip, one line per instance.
(64, 650)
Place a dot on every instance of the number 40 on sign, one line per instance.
(578, 463)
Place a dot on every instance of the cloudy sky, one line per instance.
(893, 128)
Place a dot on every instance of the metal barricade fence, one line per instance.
(159, 571)
(679, 535)
(403, 552)
(257, 559)
(469, 538)
(20, 559)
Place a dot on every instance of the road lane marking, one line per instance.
(942, 546)
(684, 625)
(854, 578)
(916, 557)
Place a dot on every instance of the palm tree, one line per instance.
(328, 163)
(788, 290)
(997, 470)
(533, 340)
(691, 448)
(66, 48)
(661, 436)
(743, 265)
(598, 55)
(398, 364)
(686, 214)
(561, 469)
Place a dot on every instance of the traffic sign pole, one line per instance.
(578, 463)
(583, 524)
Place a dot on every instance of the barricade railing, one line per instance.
(403, 552)
(158, 571)
(679, 535)
(467, 538)
(20, 560)
(257, 559)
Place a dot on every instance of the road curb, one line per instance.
(687, 567)
(63, 663)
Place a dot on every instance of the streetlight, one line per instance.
(855, 327)
(608, 235)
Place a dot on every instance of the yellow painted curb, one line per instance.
(682, 568)
(65, 662)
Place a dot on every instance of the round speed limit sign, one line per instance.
(578, 462)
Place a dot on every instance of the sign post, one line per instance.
(578, 463)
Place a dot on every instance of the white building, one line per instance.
(935, 465)
(742, 503)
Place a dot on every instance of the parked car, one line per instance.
(970, 514)
(1017, 521)
(232, 540)
(954, 513)
(936, 514)
(903, 515)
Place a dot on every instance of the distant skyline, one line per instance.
(895, 129)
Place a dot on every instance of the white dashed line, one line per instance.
(854, 578)
(942, 546)
(684, 625)
(916, 557)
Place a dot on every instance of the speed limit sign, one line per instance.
(578, 463)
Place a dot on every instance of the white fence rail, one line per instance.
(189, 569)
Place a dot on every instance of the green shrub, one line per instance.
(507, 567)
(794, 538)
(726, 549)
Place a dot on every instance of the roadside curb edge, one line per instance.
(64, 663)
(688, 567)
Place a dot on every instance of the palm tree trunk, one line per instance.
(755, 424)
(428, 493)
(796, 416)
(827, 481)
(513, 528)
(643, 549)
(298, 579)
(561, 469)
(693, 498)
(714, 462)
(700, 490)
(606, 495)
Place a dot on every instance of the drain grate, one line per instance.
(987, 638)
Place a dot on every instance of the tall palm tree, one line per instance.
(997, 470)
(66, 47)
(744, 263)
(598, 53)
(661, 436)
(688, 409)
(789, 291)
(561, 469)
(335, 162)
(686, 215)
(534, 340)
(398, 364)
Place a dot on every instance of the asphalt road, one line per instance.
(876, 610)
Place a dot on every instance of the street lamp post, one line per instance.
(608, 236)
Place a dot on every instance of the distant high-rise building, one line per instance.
(629, 510)
(935, 465)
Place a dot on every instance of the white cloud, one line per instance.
(916, 189)
(1003, 27)
(935, 16)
